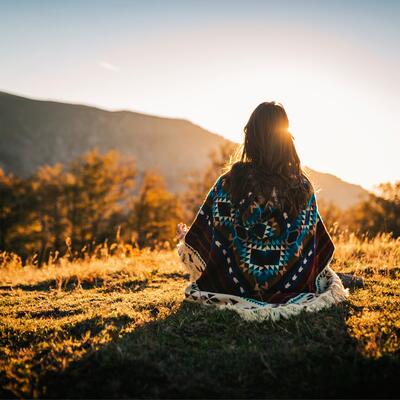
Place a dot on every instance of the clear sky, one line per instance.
(334, 65)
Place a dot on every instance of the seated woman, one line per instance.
(258, 244)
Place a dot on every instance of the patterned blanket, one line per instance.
(256, 260)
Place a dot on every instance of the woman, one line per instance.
(258, 244)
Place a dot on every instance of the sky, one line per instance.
(334, 65)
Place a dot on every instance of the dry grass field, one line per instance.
(117, 326)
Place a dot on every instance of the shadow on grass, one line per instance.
(95, 325)
(130, 285)
(175, 275)
(73, 283)
(53, 314)
(202, 352)
(42, 286)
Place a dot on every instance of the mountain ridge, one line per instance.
(37, 132)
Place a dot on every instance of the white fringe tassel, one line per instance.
(333, 294)
(257, 311)
(191, 260)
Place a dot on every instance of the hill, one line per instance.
(33, 133)
(117, 328)
(37, 132)
(335, 190)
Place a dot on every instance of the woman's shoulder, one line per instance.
(237, 169)
(220, 183)
(306, 182)
(303, 182)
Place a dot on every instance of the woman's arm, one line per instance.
(195, 242)
(181, 231)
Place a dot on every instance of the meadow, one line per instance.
(115, 325)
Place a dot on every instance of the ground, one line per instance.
(118, 327)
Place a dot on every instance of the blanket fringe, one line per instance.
(334, 294)
(191, 260)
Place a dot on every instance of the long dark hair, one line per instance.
(269, 166)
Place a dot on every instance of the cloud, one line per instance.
(108, 66)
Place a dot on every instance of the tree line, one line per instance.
(95, 198)
(76, 206)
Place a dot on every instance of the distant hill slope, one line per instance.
(33, 133)
(333, 189)
(36, 132)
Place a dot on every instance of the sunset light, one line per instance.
(199, 199)
(334, 66)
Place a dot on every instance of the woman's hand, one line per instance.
(181, 230)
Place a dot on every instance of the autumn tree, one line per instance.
(198, 183)
(85, 200)
(49, 184)
(98, 187)
(155, 212)
(380, 212)
(335, 218)
(15, 208)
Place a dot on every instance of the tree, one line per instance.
(15, 207)
(335, 219)
(380, 212)
(198, 184)
(155, 213)
(85, 201)
(98, 187)
(49, 184)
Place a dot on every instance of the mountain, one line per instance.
(36, 132)
(33, 133)
(333, 189)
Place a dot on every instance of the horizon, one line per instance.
(166, 117)
(333, 66)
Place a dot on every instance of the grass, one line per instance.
(117, 327)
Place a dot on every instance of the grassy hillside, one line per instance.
(34, 133)
(117, 327)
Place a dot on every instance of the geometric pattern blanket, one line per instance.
(256, 260)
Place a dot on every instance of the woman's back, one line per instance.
(258, 241)
(255, 249)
